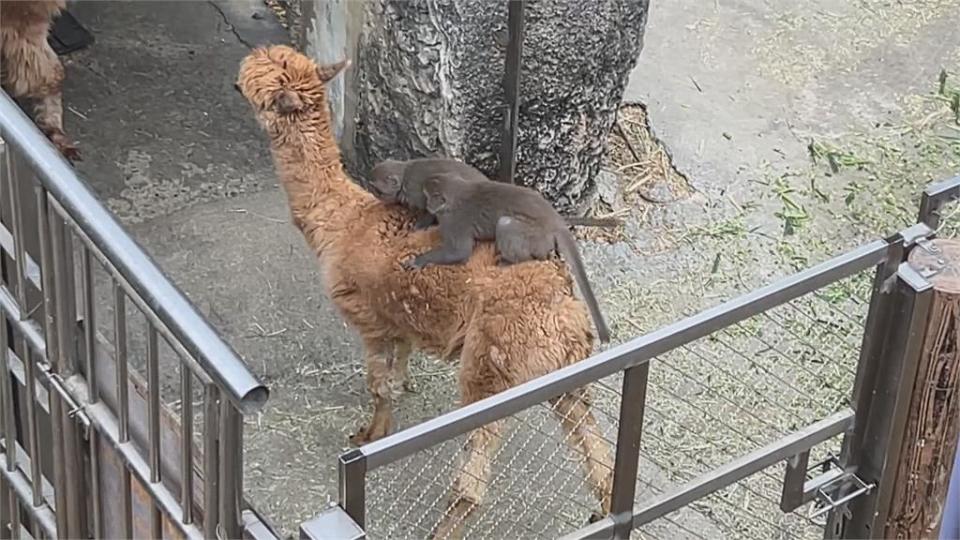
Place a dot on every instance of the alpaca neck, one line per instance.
(322, 200)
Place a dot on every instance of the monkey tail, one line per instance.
(567, 246)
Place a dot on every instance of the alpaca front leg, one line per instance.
(379, 375)
(471, 481)
(587, 442)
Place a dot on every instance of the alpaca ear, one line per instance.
(287, 102)
(327, 73)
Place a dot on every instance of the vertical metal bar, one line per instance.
(878, 443)
(89, 324)
(126, 502)
(5, 494)
(59, 475)
(66, 365)
(352, 472)
(46, 275)
(186, 441)
(62, 259)
(6, 382)
(95, 490)
(13, 183)
(632, 405)
(153, 391)
(48, 278)
(156, 521)
(120, 338)
(229, 463)
(511, 90)
(14, 514)
(875, 333)
(36, 482)
(211, 461)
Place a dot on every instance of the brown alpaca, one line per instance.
(508, 324)
(30, 69)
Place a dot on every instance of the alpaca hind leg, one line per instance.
(585, 438)
(37, 74)
(378, 376)
(401, 364)
(471, 480)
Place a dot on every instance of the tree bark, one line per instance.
(428, 81)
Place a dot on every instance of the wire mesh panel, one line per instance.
(746, 386)
(546, 466)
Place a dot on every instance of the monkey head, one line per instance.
(282, 85)
(386, 181)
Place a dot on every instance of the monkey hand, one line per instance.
(423, 222)
(413, 263)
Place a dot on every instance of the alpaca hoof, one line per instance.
(72, 153)
(594, 517)
(367, 434)
(409, 385)
(66, 147)
(411, 264)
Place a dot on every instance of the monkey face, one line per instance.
(386, 180)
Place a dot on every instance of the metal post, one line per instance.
(186, 444)
(230, 472)
(511, 90)
(632, 404)
(885, 376)
(352, 469)
(211, 461)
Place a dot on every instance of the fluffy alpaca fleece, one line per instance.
(507, 324)
(30, 69)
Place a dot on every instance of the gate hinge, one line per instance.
(831, 489)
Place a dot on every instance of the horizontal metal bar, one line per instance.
(741, 468)
(99, 225)
(728, 474)
(634, 352)
(42, 514)
(26, 327)
(32, 269)
(934, 196)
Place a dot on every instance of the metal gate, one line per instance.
(121, 408)
(841, 336)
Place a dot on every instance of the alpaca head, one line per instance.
(284, 86)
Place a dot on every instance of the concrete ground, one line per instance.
(740, 94)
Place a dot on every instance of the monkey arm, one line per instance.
(425, 220)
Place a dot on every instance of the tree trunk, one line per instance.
(428, 81)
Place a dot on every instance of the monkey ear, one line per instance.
(328, 72)
(287, 102)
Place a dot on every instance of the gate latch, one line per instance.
(832, 488)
